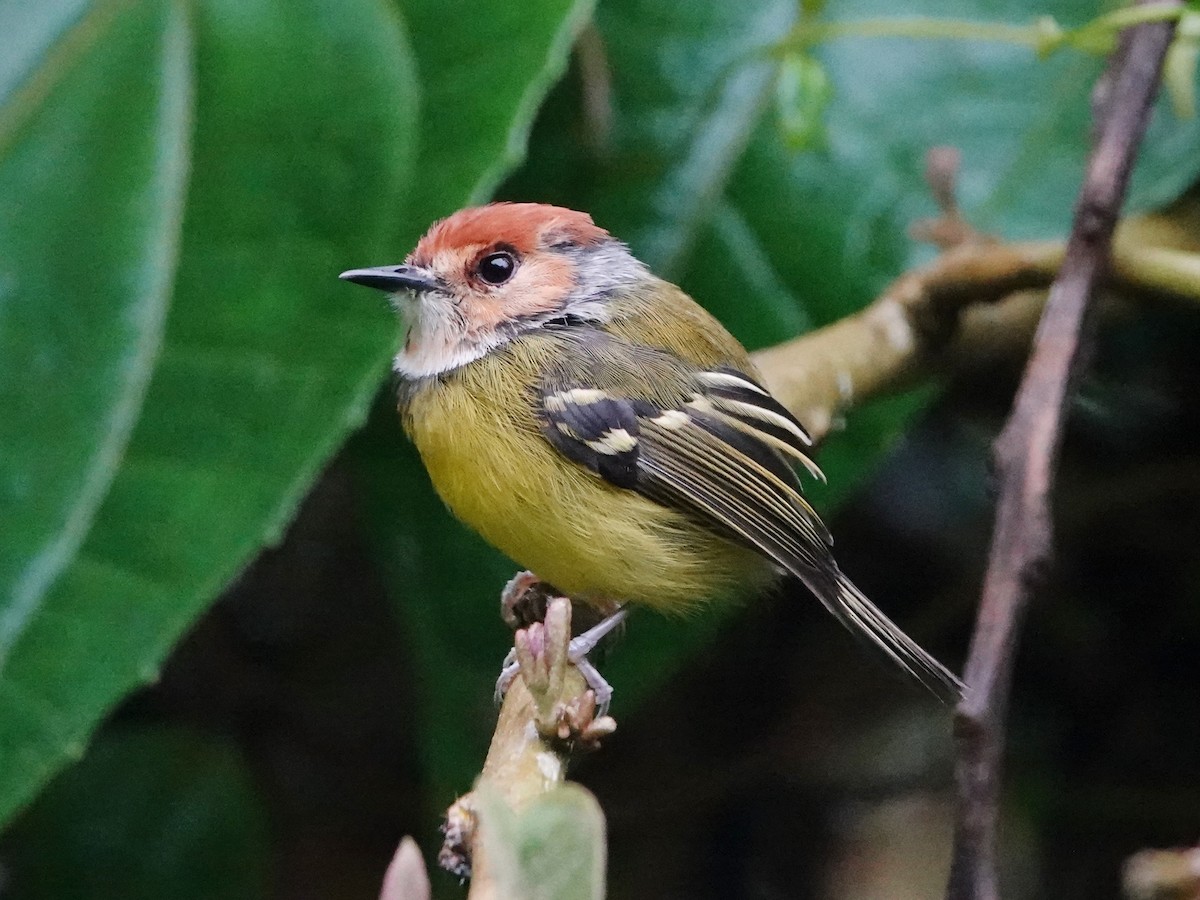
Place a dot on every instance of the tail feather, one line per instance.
(861, 616)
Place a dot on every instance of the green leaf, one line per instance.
(1022, 123)
(687, 90)
(486, 67)
(266, 361)
(148, 814)
(555, 849)
(562, 847)
(85, 274)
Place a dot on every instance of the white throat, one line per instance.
(425, 359)
(435, 339)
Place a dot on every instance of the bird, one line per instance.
(602, 429)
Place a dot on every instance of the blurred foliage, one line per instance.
(293, 128)
(553, 850)
(148, 814)
(180, 183)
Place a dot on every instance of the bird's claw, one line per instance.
(577, 724)
(509, 669)
(577, 651)
(598, 686)
(581, 646)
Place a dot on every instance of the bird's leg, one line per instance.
(584, 644)
(522, 602)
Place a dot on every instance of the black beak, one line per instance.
(393, 279)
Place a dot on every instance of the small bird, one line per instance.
(602, 429)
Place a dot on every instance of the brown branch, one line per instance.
(1163, 875)
(901, 335)
(1026, 456)
(956, 316)
(970, 305)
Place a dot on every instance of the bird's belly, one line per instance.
(589, 539)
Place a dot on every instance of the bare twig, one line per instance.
(1026, 457)
(950, 229)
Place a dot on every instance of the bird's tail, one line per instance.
(861, 616)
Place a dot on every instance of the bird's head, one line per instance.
(486, 275)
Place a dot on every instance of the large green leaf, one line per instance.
(687, 90)
(266, 359)
(149, 814)
(85, 274)
(1022, 124)
(44, 41)
(485, 67)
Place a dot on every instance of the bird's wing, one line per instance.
(715, 450)
(715, 445)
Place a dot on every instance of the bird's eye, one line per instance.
(497, 268)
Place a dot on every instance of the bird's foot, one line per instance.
(581, 646)
(524, 600)
(578, 724)
(571, 718)
(509, 669)
(525, 594)
(577, 654)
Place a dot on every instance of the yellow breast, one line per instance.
(478, 436)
